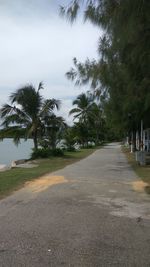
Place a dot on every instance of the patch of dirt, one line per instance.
(44, 182)
(139, 186)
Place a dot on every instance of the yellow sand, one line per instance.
(44, 182)
(139, 186)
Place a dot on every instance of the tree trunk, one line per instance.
(53, 146)
(134, 141)
(35, 142)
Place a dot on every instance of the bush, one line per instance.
(57, 152)
(90, 146)
(41, 153)
(46, 153)
(71, 149)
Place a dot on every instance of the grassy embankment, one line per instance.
(15, 178)
(143, 172)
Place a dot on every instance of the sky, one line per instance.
(36, 44)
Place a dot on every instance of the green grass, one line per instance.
(143, 172)
(15, 178)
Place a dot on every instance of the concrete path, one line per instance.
(85, 215)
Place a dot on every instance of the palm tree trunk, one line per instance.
(35, 141)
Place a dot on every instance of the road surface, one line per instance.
(90, 214)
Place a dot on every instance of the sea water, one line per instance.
(10, 152)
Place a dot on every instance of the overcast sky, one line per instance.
(37, 45)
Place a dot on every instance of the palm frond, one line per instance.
(11, 119)
(21, 93)
(41, 86)
(24, 116)
(15, 132)
(48, 106)
(75, 110)
(5, 110)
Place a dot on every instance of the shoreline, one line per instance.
(14, 164)
(3, 167)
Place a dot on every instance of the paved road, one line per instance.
(85, 215)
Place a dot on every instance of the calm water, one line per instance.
(9, 151)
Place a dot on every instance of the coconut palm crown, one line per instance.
(23, 117)
(83, 103)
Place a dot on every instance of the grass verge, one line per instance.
(14, 179)
(143, 172)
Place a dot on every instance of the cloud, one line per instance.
(37, 45)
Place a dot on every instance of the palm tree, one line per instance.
(54, 127)
(70, 138)
(25, 112)
(83, 103)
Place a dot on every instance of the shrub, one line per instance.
(71, 149)
(57, 152)
(91, 146)
(46, 152)
(41, 153)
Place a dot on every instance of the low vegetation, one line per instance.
(14, 179)
(46, 152)
(142, 171)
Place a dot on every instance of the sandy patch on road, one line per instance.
(139, 186)
(44, 182)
